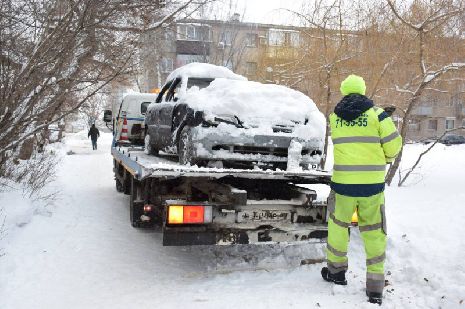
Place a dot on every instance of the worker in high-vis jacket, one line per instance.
(365, 139)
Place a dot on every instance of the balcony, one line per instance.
(193, 47)
(423, 111)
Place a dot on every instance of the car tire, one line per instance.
(185, 150)
(149, 149)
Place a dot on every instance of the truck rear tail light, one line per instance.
(193, 214)
(175, 215)
(189, 214)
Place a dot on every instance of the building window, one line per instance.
(450, 124)
(293, 39)
(413, 125)
(193, 33)
(251, 68)
(433, 124)
(166, 65)
(276, 38)
(226, 38)
(251, 40)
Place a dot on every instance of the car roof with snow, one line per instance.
(137, 95)
(204, 70)
(248, 99)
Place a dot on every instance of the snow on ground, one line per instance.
(82, 252)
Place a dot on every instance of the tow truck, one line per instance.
(218, 206)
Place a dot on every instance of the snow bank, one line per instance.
(204, 70)
(88, 245)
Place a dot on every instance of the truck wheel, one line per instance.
(149, 149)
(127, 183)
(136, 206)
(185, 150)
(119, 186)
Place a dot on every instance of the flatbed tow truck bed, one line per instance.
(213, 206)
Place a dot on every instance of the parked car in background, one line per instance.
(428, 140)
(452, 139)
(207, 114)
(133, 107)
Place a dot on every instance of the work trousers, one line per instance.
(372, 226)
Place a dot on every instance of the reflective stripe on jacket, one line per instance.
(362, 147)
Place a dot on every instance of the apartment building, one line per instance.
(245, 48)
(437, 114)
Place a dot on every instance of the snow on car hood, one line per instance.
(257, 103)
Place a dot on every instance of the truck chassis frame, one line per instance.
(248, 206)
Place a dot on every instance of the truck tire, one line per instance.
(119, 185)
(127, 183)
(136, 206)
(149, 149)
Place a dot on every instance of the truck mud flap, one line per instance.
(177, 238)
(173, 237)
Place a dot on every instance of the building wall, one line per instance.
(436, 115)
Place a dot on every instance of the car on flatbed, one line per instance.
(209, 116)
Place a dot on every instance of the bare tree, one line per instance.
(430, 21)
(328, 46)
(56, 55)
(410, 170)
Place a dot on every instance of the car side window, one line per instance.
(143, 107)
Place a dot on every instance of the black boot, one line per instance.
(375, 298)
(337, 278)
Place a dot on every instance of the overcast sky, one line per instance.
(261, 11)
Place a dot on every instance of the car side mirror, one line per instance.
(107, 115)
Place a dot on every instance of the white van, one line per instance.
(133, 106)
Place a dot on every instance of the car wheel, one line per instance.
(149, 149)
(185, 150)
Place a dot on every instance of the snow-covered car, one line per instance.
(208, 115)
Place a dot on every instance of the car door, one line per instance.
(153, 118)
(165, 114)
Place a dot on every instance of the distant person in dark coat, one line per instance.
(94, 134)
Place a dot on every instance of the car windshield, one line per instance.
(199, 82)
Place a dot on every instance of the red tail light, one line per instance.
(188, 214)
(193, 214)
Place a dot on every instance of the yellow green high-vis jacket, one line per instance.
(365, 139)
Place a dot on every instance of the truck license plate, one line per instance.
(262, 216)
